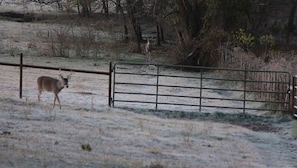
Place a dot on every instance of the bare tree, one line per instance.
(119, 9)
(291, 26)
(86, 7)
(190, 17)
(133, 8)
(105, 7)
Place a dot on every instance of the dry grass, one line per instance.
(239, 59)
(154, 150)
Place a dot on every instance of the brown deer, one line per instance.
(52, 85)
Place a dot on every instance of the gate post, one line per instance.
(21, 75)
(157, 87)
(293, 98)
(109, 84)
(244, 89)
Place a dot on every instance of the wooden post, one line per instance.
(21, 75)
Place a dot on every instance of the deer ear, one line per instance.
(60, 76)
(69, 76)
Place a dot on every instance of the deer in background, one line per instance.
(148, 49)
(52, 85)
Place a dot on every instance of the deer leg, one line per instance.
(58, 100)
(38, 95)
(54, 102)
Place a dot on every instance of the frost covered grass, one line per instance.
(294, 130)
(113, 137)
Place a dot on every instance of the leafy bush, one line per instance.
(245, 41)
(268, 41)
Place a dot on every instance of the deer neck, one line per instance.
(60, 85)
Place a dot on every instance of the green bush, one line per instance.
(245, 41)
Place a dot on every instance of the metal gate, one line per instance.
(294, 96)
(187, 88)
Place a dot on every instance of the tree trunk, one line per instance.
(162, 33)
(190, 16)
(78, 9)
(86, 8)
(126, 38)
(158, 34)
(131, 9)
(290, 28)
(105, 7)
(193, 59)
(119, 8)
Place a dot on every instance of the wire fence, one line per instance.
(86, 88)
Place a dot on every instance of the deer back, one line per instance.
(49, 84)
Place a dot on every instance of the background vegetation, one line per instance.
(196, 29)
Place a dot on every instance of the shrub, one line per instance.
(267, 41)
(245, 41)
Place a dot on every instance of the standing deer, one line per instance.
(148, 49)
(52, 85)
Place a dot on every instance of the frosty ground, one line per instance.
(88, 133)
(34, 135)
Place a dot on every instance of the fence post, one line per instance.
(244, 89)
(109, 84)
(21, 75)
(113, 83)
(157, 86)
(293, 98)
(201, 85)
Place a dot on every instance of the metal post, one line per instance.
(109, 84)
(244, 89)
(157, 86)
(21, 75)
(113, 85)
(200, 97)
(293, 92)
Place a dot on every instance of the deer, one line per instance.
(148, 49)
(52, 85)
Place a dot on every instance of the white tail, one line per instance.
(52, 85)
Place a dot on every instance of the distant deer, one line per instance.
(148, 49)
(52, 85)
